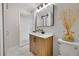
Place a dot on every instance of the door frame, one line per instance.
(2, 31)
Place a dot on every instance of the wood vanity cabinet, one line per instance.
(41, 46)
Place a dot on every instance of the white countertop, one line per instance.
(45, 35)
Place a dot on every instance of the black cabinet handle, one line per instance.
(34, 39)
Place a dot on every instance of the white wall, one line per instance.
(12, 29)
(59, 29)
(26, 26)
(11, 23)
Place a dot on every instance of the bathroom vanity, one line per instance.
(41, 44)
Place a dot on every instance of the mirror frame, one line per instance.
(52, 17)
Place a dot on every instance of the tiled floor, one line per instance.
(21, 51)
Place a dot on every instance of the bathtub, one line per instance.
(68, 48)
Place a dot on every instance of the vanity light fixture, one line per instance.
(42, 6)
(45, 3)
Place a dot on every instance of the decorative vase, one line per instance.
(69, 37)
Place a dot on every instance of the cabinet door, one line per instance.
(37, 46)
(40, 46)
(44, 46)
(32, 44)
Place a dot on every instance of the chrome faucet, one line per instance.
(40, 30)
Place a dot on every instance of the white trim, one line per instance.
(19, 27)
(1, 43)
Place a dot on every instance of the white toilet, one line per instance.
(68, 48)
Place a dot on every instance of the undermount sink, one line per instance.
(39, 34)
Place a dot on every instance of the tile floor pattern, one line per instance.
(21, 51)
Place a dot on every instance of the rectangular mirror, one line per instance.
(45, 17)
